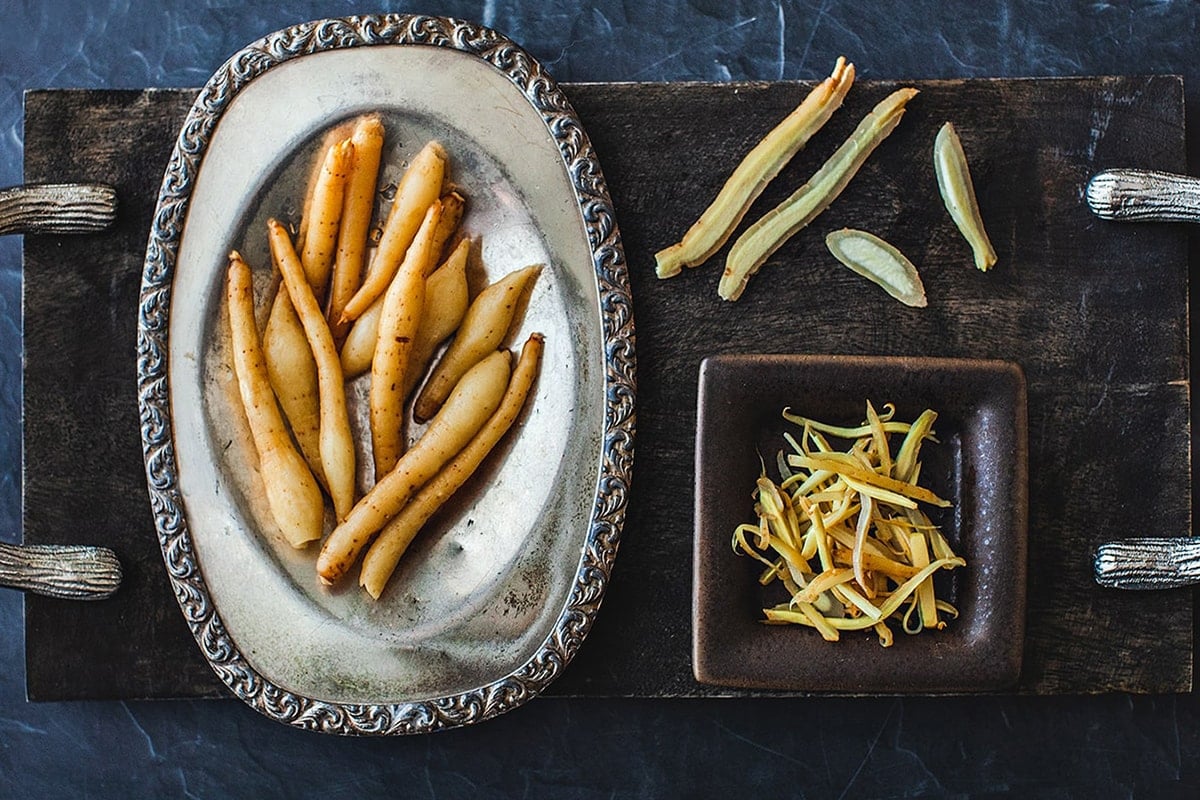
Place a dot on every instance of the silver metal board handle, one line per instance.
(1135, 195)
(1166, 563)
(72, 572)
(57, 208)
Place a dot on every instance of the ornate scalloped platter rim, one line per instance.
(425, 665)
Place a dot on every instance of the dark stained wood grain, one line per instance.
(1096, 314)
(84, 480)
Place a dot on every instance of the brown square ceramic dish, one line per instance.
(979, 464)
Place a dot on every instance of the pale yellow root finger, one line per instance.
(446, 299)
(756, 170)
(293, 496)
(483, 329)
(926, 600)
(293, 374)
(324, 216)
(384, 554)
(331, 137)
(418, 189)
(473, 401)
(337, 445)
(399, 321)
(359, 347)
(358, 205)
(453, 206)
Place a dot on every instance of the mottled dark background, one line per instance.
(1109, 746)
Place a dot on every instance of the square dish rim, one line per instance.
(983, 653)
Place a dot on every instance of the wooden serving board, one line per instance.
(1095, 313)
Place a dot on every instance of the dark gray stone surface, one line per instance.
(1050, 747)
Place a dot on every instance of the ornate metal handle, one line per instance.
(73, 572)
(1149, 563)
(57, 208)
(1135, 195)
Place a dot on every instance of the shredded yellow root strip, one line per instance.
(865, 512)
(875, 479)
(844, 533)
(879, 440)
(906, 460)
(756, 170)
(842, 432)
(767, 235)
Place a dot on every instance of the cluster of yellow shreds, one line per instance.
(844, 532)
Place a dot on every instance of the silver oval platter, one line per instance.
(495, 597)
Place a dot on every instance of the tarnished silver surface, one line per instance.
(57, 208)
(487, 609)
(72, 572)
(1135, 195)
(1165, 563)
